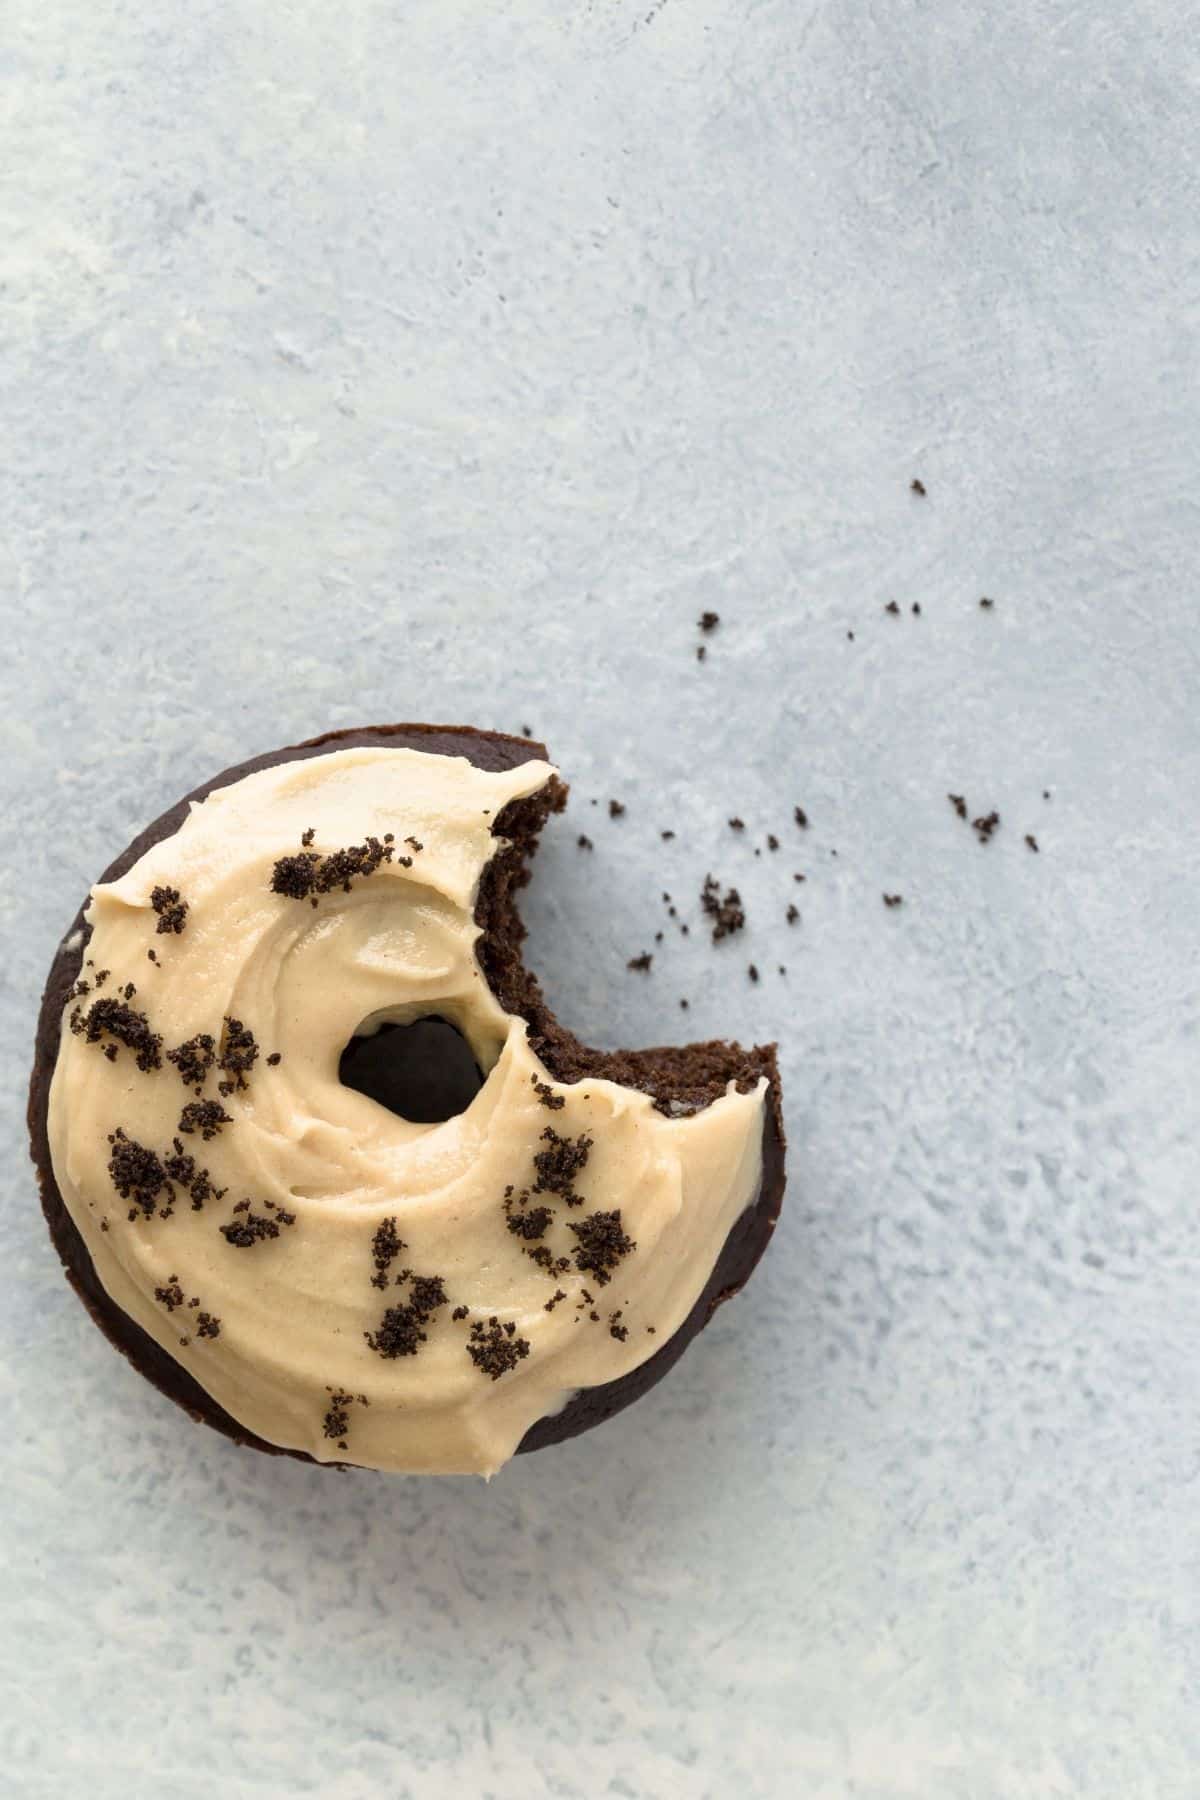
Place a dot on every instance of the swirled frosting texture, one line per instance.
(284, 1294)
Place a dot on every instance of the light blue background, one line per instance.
(445, 360)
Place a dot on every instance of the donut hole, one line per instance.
(423, 1070)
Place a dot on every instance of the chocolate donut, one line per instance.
(427, 1284)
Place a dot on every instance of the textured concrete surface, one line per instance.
(446, 361)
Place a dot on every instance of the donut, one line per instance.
(320, 1161)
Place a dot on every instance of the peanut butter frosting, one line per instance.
(343, 1281)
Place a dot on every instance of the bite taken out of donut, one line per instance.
(320, 1161)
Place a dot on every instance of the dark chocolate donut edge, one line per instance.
(590, 1406)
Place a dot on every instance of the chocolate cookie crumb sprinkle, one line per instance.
(987, 604)
(892, 607)
(170, 1295)
(772, 841)
(585, 843)
(531, 1224)
(752, 971)
(893, 899)
(194, 1059)
(112, 1018)
(801, 817)
(204, 1116)
(460, 1312)
(736, 824)
(274, 1060)
(917, 486)
(985, 827)
(602, 1244)
(641, 963)
(558, 1166)
(666, 836)
(959, 803)
(701, 652)
(337, 1420)
(237, 1055)
(306, 837)
(616, 809)
(792, 914)
(496, 1348)
(137, 1173)
(252, 1228)
(547, 1095)
(1031, 841)
(171, 908)
(708, 621)
(386, 1246)
(725, 911)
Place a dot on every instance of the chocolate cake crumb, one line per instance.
(237, 1056)
(602, 1244)
(399, 1333)
(305, 876)
(708, 621)
(651, 1331)
(194, 1059)
(585, 843)
(460, 1312)
(495, 1349)
(532, 1224)
(171, 1295)
(558, 1166)
(892, 607)
(987, 604)
(128, 1027)
(137, 1173)
(1031, 841)
(252, 1228)
(893, 899)
(666, 836)
(798, 877)
(917, 487)
(752, 972)
(547, 1095)
(801, 817)
(616, 1329)
(736, 824)
(792, 914)
(413, 843)
(337, 1420)
(554, 1300)
(207, 1326)
(386, 1246)
(274, 1060)
(772, 841)
(306, 837)
(295, 876)
(985, 827)
(172, 910)
(641, 963)
(110, 1051)
(616, 809)
(204, 1116)
(425, 1294)
(959, 803)
(151, 956)
(726, 913)
(182, 1170)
